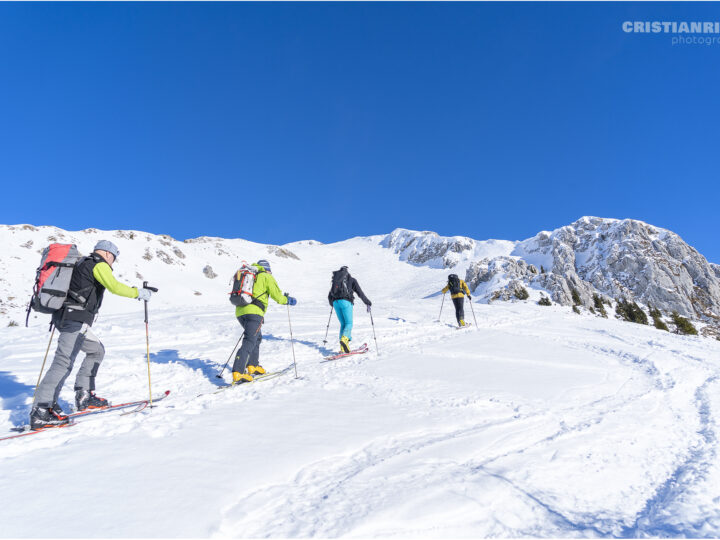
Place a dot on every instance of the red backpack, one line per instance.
(52, 281)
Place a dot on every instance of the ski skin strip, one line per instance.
(139, 406)
(360, 350)
(143, 402)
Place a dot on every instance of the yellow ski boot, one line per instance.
(256, 370)
(239, 378)
(345, 344)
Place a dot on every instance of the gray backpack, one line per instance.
(52, 281)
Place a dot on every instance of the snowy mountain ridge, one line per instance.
(609, 257)
(618, 259)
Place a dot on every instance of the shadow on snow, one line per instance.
(323, 350)
(14, 396)
(208, 368)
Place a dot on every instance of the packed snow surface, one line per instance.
(534, 422)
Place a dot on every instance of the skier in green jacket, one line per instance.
(251, 317)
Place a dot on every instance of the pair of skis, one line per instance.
(272, 374)
(362, 349)
(134, 406)
(256, 378)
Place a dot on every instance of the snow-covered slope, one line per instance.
(535, 422)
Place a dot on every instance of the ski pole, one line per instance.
(328, 326)
(43, 364)
(292, 342)
(473, 312)
(373, 327)
(441, 306)
(147, 339)
(219, 375)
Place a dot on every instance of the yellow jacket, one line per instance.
(461, 294)
(265, 286)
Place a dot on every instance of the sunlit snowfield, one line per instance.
(535, 422)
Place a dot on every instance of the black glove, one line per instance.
(368, 308)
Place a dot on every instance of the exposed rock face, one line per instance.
(282, 252)
(429, 248)
(209, 273)
(613, 258)
(426, 247)
(499, 279)
(628, 258)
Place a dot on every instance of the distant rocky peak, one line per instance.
(427, 247)
(629, 258)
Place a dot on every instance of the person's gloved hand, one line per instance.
(469, 297)
(290, 300)
(368, 308)
(144, 294)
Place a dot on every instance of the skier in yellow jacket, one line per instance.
(458, 289)
(251, 317)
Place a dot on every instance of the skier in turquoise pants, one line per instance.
(341, 299)
(344, 312)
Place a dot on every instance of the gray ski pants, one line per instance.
(249, 352)
(74, 337)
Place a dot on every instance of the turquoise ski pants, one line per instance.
(344, 312)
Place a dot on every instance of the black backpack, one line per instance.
(454, 284)
(340, 288)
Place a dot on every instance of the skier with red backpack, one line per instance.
(458, 289)
(72, 288)
(341, 298)
(253, 285)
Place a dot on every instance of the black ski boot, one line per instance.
(45, 417)
(86, 399)
(57, 410)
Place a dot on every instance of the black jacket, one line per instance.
(353, 287)
(86, 293)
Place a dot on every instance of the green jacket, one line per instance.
(265, 286)
(103, 273)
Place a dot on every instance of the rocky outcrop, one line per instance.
(631, 259)
(427, 247)
(430, 249)
(501, 277)
(209, 273)
(282, 252)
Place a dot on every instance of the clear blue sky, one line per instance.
(285, 121)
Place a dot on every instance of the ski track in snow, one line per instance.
(468, 461)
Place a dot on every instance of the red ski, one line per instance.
(138, 406)
(362, 349)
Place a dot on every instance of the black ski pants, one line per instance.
(459, 304)
(249, 352)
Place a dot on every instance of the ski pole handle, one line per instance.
(153, 289)
(145, 286)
